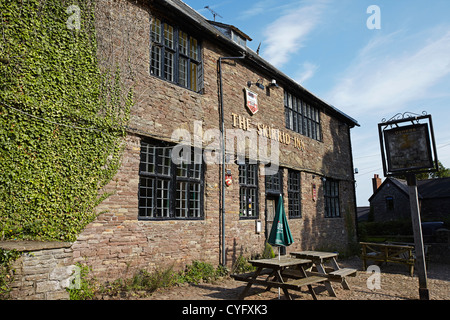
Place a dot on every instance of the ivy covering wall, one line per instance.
(61, 119)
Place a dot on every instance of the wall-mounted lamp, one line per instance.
(258, 226)
(257, 83)
(323, 179)
(273, 84)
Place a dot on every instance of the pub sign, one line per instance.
(408, 148)
(251, 101)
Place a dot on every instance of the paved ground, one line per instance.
(395, 283)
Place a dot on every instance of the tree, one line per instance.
(442, 173)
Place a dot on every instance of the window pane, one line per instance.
(168, 36)
(294, 121)
(194, 49)
(155, 66)
(251, 212)
(168, 66)
(196, 164)
(165, 160)
(242, 202)
(156, 31)
(251, 174)
(183, 43)
(162, 199)
(194, 200)
(242, 174)
(183, 72)
(193, 77)
(287, 117)
(146, 187)
(147, 164)
(181, 200)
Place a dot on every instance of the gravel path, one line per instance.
(396, 284)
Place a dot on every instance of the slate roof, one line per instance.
(179, 7)
(427, 189)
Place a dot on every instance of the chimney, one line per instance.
(376, 182)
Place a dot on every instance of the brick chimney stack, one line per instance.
(376, 182)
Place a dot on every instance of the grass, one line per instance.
(143, 282)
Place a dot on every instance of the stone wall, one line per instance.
(43, 271)
(401, 209)
(116, 244)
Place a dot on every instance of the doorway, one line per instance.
(271, 206)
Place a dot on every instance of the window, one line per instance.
(301, 117)
(331, 198)
(389, 203)
(274, 181)
(166, 190)
(238, 39)
(248, 190)
(294, 203)
(175, 56)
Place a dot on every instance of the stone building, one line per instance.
(390, 199)
(166, 207)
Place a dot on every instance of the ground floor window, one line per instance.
(168, 190)
(248, 191)
(331, 193)
(294, 199)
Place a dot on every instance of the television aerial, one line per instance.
(213, 13)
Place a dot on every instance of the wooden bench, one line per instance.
(246, 276)
(332, 275)
(342, 273)
(296, 284)
(385, 252)
(298, 281)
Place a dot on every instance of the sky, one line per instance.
(371, 59)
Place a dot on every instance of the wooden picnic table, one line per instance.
(387, 252)
(333, 273)
(275, 268)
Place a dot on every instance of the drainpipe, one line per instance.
(222, 141)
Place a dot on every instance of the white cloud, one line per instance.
(286, 35)
(383, 80)
(307, 71)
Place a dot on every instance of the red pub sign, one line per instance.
(251, 101)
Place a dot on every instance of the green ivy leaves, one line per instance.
(61, 121)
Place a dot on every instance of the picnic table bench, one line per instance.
(280, 270)
(333, 273)
(386, 252)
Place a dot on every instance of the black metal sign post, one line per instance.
(408, 147)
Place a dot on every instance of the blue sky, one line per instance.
(370, 74)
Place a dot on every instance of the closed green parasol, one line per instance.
(280, 234)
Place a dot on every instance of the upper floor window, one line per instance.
(301, 117)
(175, 56)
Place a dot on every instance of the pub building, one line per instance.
(192, 80)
